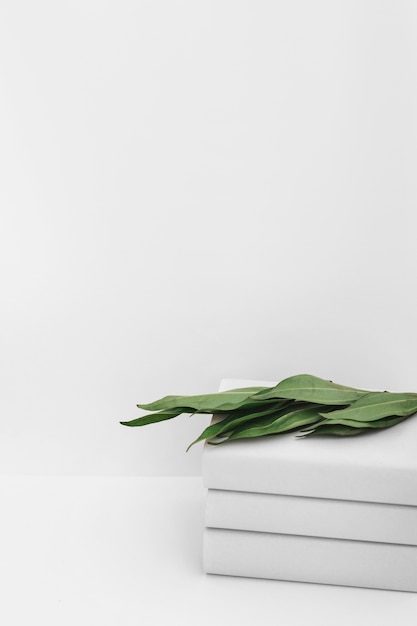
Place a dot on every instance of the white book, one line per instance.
(310, 559)
(317, 517)
(379, 467)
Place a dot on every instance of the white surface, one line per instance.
(316, 517)
(125, 550)
(310, 559)
(379, 467)
(191, 190)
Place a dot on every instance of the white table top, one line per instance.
(128, 550)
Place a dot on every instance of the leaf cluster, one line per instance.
(304, 403)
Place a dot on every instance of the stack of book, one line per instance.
(335, 510)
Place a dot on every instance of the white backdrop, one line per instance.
(192, 190)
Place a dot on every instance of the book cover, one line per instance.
(317, 517)
(380, 467)
(310, 559)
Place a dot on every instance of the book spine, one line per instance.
(238, 468)
(317, 517)
(310, 559)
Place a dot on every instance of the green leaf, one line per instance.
(152, 418)
(311, 405)
(376, 405)
(208, 403)
(385, 422)
(291, 420)
(311, 389)
(333, 429)
(238, 417)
